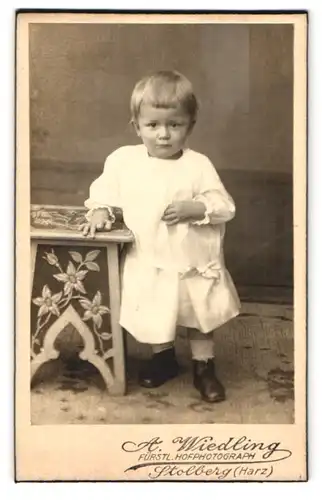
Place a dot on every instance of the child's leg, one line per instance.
(161, 367)
(204, 374)
(201, 345)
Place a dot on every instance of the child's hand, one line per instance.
(99, 220)
(180, 211)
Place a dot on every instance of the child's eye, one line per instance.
(152, 125)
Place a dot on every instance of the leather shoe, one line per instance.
(159, 369)
(206, 381)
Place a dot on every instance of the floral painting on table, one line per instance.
(70, 291)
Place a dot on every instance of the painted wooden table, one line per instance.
(75, 283)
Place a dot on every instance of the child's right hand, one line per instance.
(99, 221)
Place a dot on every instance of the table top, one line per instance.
(55, 222)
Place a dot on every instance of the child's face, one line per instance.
(163, 130)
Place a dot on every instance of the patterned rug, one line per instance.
(254, 357)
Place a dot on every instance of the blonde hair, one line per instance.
(164, 89)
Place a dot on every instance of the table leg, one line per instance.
(119, 386)
(33, 255)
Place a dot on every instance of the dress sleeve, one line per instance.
(104, 191)
(220, 206)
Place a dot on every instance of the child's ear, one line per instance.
(136, 128)
(192, 124)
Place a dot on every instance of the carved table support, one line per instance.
(33, 254)
(115, 303)
(57, 227)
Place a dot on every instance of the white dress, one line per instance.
(172, 275)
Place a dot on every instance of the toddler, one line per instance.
(176, 206)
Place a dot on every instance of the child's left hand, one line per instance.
(180, 211)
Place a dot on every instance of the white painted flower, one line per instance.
(94, 310)
(51, 258)
(47, 302)
(72, 279)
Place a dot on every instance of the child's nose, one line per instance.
(164, 132)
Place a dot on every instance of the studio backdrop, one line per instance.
(81, 79)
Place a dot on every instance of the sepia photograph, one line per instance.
(161, 232)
